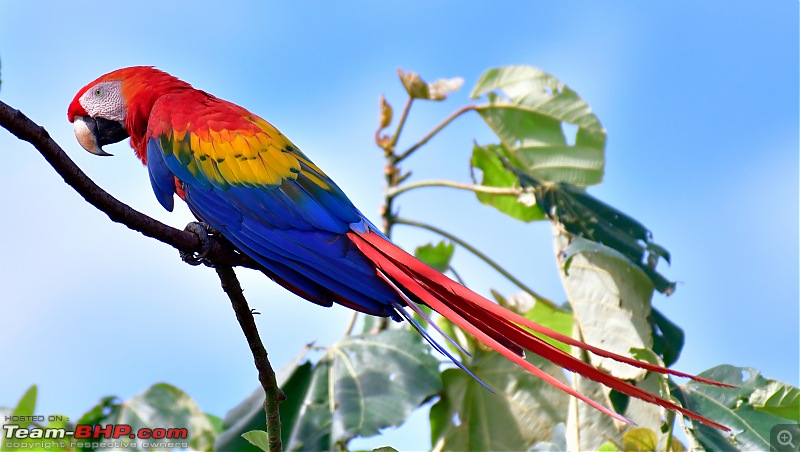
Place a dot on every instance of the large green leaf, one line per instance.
(741, 408)
(494, 174)
(312, 430)
(540, 92)
(379, 380)
(610, 299)
(160, 406)
(363, 384)
(523, 411)
(527, 109)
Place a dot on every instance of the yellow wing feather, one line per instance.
(244, 150)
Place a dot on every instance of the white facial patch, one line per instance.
(105, 100)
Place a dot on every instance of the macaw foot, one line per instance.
(201, 230)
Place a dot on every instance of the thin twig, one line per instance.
(400, 124)
(392, 170)
(435, 130)
(266, 375)
(352, 324)
(508, 191)
(482, 256)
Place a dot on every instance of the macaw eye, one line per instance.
(98, 91)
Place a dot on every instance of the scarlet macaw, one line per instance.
(241, 176)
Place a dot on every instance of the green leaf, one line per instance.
(216, 422)
(576, 207)
(515, 81)
(379, 380)
(607, 447)
(610, 299)
(104, 409)
(583, 215)
(668, 338)
(25, 408)
(639, 439)
(581, 166)
(523, 411)
(520, 128)
(364, 384)
(313, 424)
(739, 408)
(779, 399)
(644, 439)
(258, 438)
(437, 256)
(494, 174)
(27, 403)
(160, 406)
(528, 115)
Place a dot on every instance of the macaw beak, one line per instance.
(94, 133)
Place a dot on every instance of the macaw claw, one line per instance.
(197, 257)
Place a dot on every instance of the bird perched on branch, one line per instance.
(242, 177)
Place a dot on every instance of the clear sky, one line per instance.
(700, 100)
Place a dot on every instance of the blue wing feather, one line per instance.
(296, 230)
(161, 178)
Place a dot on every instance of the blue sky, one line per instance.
(700, 100)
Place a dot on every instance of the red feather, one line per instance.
(502, 330)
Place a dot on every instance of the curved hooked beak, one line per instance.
(94, 133)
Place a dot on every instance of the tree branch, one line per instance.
(222, 255)
(25, 129)
(266, 375)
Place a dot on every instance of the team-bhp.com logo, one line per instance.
(96, 436)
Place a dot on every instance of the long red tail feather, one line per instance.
(502, 330)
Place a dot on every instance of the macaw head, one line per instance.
(117, 105)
